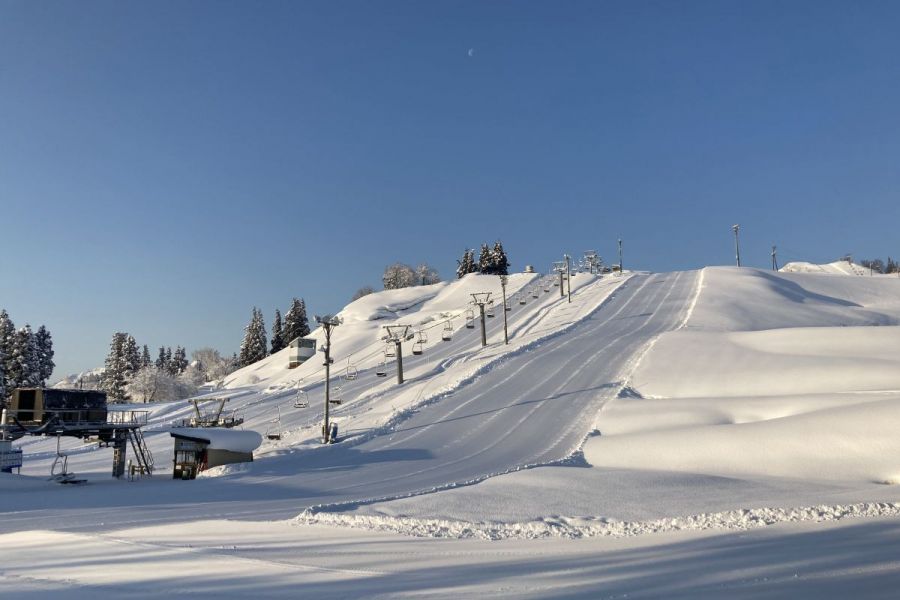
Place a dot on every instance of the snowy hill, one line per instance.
(838, 267)
(725, 399)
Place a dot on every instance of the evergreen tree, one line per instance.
(170, 366)
(277, 333)
(44, 344)
(161, 363)
(7, 336)
(254, 346)
(296, 324)
(466, 264)
(499, 259)
(486, 260)
(179, 360)
(114, 379)
(132, 356)
(22, 365)
(145, 357)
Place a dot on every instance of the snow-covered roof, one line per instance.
(221, 439)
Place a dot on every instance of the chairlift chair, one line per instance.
(389, 350)
(490, 310)
(470, 318)
(381, 370)
(447, 333)
(351, 372)
(507, 307)
(336, 396)
(273, 432)
(301, 400)
(419, 347)
(534, 292)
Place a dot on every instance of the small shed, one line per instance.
(301, 349)
(198, 449)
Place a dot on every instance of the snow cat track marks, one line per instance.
(508, 433)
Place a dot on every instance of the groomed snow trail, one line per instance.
(534, 407)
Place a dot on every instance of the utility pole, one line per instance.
(328, 323)
(774, 258)
(482, 298)
(568, 276)
(620, 256)
(737, 246)
(398, 334)
(503, 281)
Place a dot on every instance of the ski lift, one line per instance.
(534, 292)
(389, 350)
(470, 318)
(507, 307)
(336, 396)
(447, 333)
(522, 300)
(301, 400)
(273, 432)
(419, 347)
(381, 370)
(490, 310)
(351, 372)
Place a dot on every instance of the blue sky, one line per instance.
(166, 166)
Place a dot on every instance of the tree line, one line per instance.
(26, 357)
(129, 374)
(255, 345)
(879, 266)
(491, 261)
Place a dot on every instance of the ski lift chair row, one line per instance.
(447, 333)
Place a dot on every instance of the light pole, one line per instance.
(620, 256)
(482, 298)
(774, 258)
(568, 277)
(328, 323)
(503, 281)
(737, 246)
(397, 334)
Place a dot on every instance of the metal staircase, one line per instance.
(143, 456)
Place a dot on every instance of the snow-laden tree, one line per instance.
(23, 364)
(426, 275)
(399, 275)
(115, 368)
(499, 260)
(145, 357)
(362, 292)
(152, 384)
(466, 264)
(7, 335)
(213, 365)
(277, 333)
(486, 260)
(170, 365)
(254, 346)
(161, 362)
(132, 356)
(44, 344)
(179, 361)
(296, 323)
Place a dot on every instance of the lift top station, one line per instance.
(300, 350)
(82, 414)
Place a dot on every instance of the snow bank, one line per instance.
(588, 527)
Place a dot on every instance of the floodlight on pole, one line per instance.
(737, 245)
(568, 277)
(328, 323)
(481, 299)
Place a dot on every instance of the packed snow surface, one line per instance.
(624, 435)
